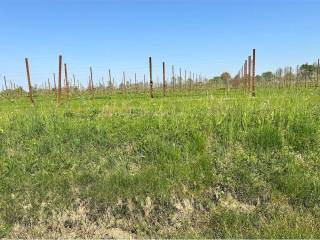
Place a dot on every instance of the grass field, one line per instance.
(210, 164)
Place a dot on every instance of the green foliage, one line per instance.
(307, 70)
(267, 76)
(225, 76)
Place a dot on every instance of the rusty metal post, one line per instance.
(59, 79)
(164, 78)
(253, 72)
(151, 82)
(29, 80)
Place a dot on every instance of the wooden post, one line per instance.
(253, 72)
(59, 79)
(249, 74)
(151, 82)
(164, 78)
(29, 80)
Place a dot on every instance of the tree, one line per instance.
(226, 77)
(267, 76)
(307, 70)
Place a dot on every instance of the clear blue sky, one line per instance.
(205, 36)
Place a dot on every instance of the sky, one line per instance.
(203, 36)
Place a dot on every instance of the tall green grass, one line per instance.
(263, 151)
